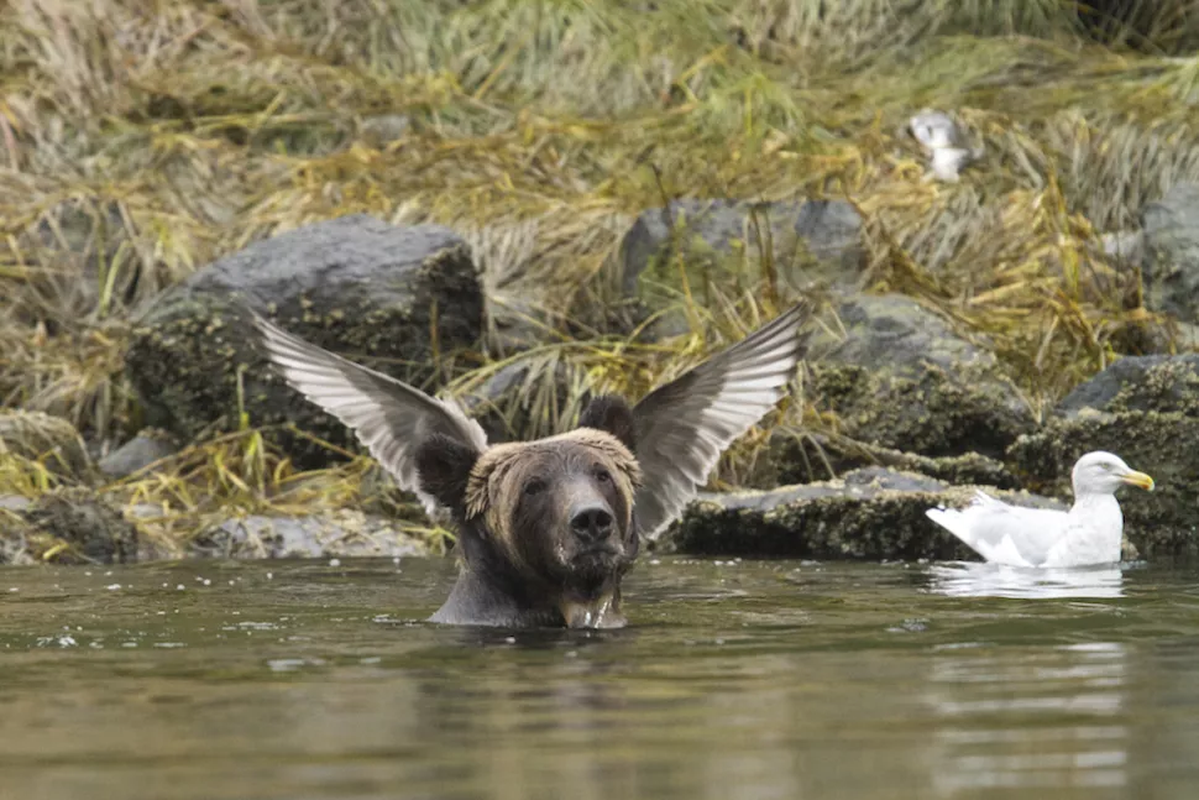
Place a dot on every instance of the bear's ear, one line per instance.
(443, 466)
(611, 413)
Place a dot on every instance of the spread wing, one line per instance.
(682, 428)
(389, 417)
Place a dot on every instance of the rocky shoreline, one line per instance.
(911, 412)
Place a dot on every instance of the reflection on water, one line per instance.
(1050, 720)
(978, 579)
(735, 680)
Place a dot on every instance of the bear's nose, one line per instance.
(592, 523)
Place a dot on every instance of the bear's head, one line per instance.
(555, 515)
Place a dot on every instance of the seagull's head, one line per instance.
(1100, 472)
(934, 129)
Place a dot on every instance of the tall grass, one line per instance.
(139, 141)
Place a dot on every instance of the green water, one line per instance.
(751, 680)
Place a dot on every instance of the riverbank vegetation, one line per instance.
(140, 141)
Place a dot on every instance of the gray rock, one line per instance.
(148, 446)
(528, 398)
(14, 502)
(1171, 253)
(354, 285)
(518, 323)
(1139, 383)
(76, 525)
(1163, 522)
(898, 377)
(334, 533)
(871, 513)
(893, 330)
(1125, 246)
(813, 240)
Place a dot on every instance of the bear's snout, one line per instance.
(591, 522)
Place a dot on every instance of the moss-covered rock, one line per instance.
(898, 377)
(1140, 383)
(1158, 523)
(49, 440)
(394, 298)
(871, 513)
(72, 526)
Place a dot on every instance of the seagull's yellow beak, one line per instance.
(1138, 479)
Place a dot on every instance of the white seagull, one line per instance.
(1090, 533)
(946, 144)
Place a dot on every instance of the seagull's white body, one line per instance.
(945, 143)
(1090, 533)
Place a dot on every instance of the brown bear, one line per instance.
(548, 528)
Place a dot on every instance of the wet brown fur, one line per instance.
(521, 564)
(503, 465)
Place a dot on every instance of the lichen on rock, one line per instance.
(73, 526)
(897, 376)
(399, 299)
(871, 513)
(1140, 383)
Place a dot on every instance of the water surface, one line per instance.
(767, 679)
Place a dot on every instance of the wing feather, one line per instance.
(389, 417)
(681, 428)
(1004, 533)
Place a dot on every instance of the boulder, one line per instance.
(71, 526)
(528, 398)
(714, 240)
(148, 446)
(871, 513)
(1139, 383)
(516, 324)
(14, 502)
(334, 533)
(1126, 247)
(1171, 253)
(392, 298)
(1159, 523)
(898, 377)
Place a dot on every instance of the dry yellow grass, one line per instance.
(140, 140)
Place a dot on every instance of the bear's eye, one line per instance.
(535, 486)
(602, 475)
